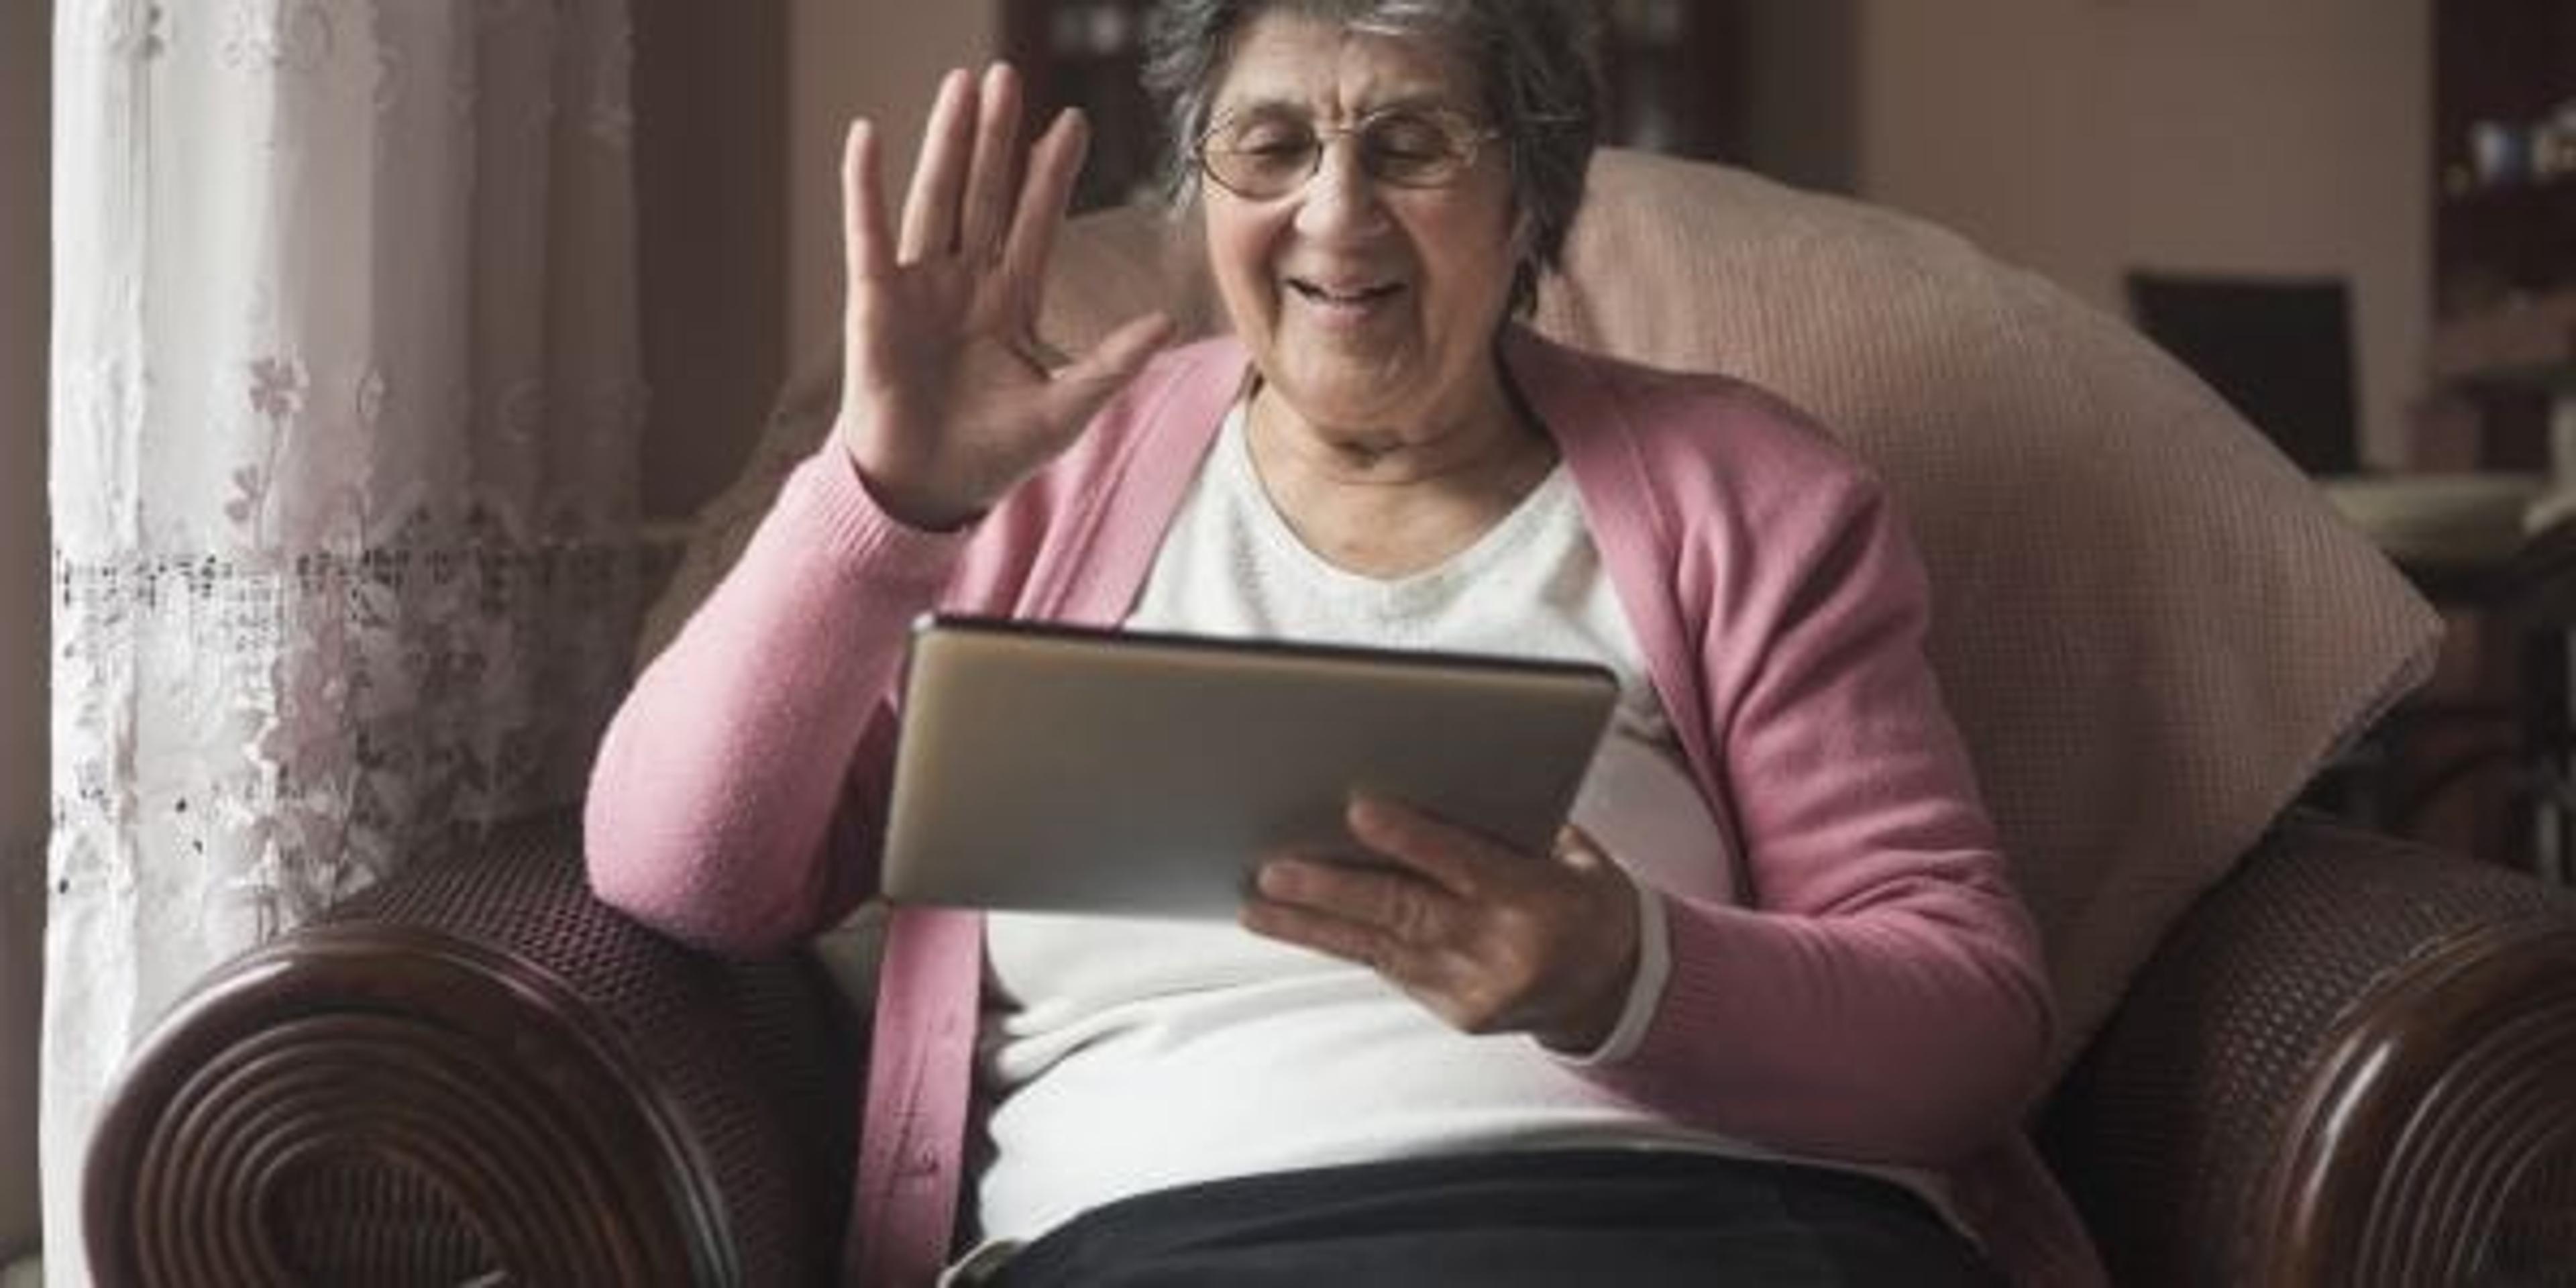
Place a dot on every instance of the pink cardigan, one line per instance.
(1881, 998)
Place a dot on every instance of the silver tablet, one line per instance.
(1051, 768)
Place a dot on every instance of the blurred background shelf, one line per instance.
(2504, 89)
(2501, 361)
(2527, 340)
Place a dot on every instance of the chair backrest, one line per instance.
(2150, 627)
(2279, 349)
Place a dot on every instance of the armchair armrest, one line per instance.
(476, 1073)
(2353, 1063)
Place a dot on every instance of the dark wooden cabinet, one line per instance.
(1668, 74)
(2502, 366)
(1088, 54)
(2503, 358)
(2504, 136)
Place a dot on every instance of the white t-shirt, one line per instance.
(1122, 1056)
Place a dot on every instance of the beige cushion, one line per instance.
(2151, 626)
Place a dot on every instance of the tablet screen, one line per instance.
(1054, 768)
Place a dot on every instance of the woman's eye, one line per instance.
(1409, 140)
(1274, 144)
(1413, 153)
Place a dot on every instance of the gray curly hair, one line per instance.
(1533, 58)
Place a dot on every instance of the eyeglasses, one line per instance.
(1261, 155)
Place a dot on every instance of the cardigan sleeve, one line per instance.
(733, 798)
(1882, 996)
(738, 798)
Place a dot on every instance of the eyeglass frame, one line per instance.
(1456, 125)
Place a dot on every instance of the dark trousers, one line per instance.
(1616, 1217)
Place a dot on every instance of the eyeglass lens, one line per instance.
(1267, 156)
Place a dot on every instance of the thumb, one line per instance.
(1078, 389)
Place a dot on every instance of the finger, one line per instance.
(867, 252)
(1043, 198)
(1443, 981)
(992, 179)
(1402, 907)
(1454, 857)
(939, 174)
(1080, 388)
(1324, 933)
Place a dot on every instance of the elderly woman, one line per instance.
(1769, 1012)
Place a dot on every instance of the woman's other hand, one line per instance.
(1490, 940)
(948, 399)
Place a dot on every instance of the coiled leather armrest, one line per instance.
(2353, 1063)
(475, 1073)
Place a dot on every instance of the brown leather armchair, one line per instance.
(2350, 1062)
(2353, 1063)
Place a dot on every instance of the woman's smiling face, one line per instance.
(1369, 307)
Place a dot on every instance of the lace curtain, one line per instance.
(343, 471)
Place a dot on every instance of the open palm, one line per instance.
(948, 397)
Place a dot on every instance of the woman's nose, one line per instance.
(1340, 197)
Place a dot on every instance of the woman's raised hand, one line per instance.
(948, 399)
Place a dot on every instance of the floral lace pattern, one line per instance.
(367, 706)
(343, 472)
